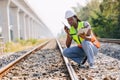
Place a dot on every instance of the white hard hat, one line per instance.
(69, 14)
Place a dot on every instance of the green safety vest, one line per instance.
(73, 33)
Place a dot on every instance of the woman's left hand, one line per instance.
(83, 35)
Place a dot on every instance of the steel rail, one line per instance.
(68, 65)
(109, 40)
(5, 69)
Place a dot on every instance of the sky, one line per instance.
(52, 12)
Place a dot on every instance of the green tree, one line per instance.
(104, 17)
(109, 11)
(84, 13)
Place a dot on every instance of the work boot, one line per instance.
(81, 66)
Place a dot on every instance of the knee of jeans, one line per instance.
(66, 52)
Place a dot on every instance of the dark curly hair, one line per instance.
(78, 20)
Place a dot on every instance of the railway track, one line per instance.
(9, 71)
(110, 40)
(107, 70)
(6, 68)
(107, 62)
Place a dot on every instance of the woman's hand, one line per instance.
(66, 29)
(82, 35)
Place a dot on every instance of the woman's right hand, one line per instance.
(69, 39)
(66, 29)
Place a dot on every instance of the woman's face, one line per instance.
(72, 21)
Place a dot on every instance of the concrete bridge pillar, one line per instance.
(31, 28)
(34, 29)
(15, 23)
(26, 26)
(4, 19)
(22, 25)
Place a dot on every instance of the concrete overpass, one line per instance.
(19, 21)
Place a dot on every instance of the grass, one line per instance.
(21, 45)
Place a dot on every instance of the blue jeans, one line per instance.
(90, 51)
(75, 53)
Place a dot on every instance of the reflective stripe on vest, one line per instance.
(73, 33)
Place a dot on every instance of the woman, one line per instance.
(85, 46)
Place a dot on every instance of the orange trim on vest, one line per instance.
(95, 41)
